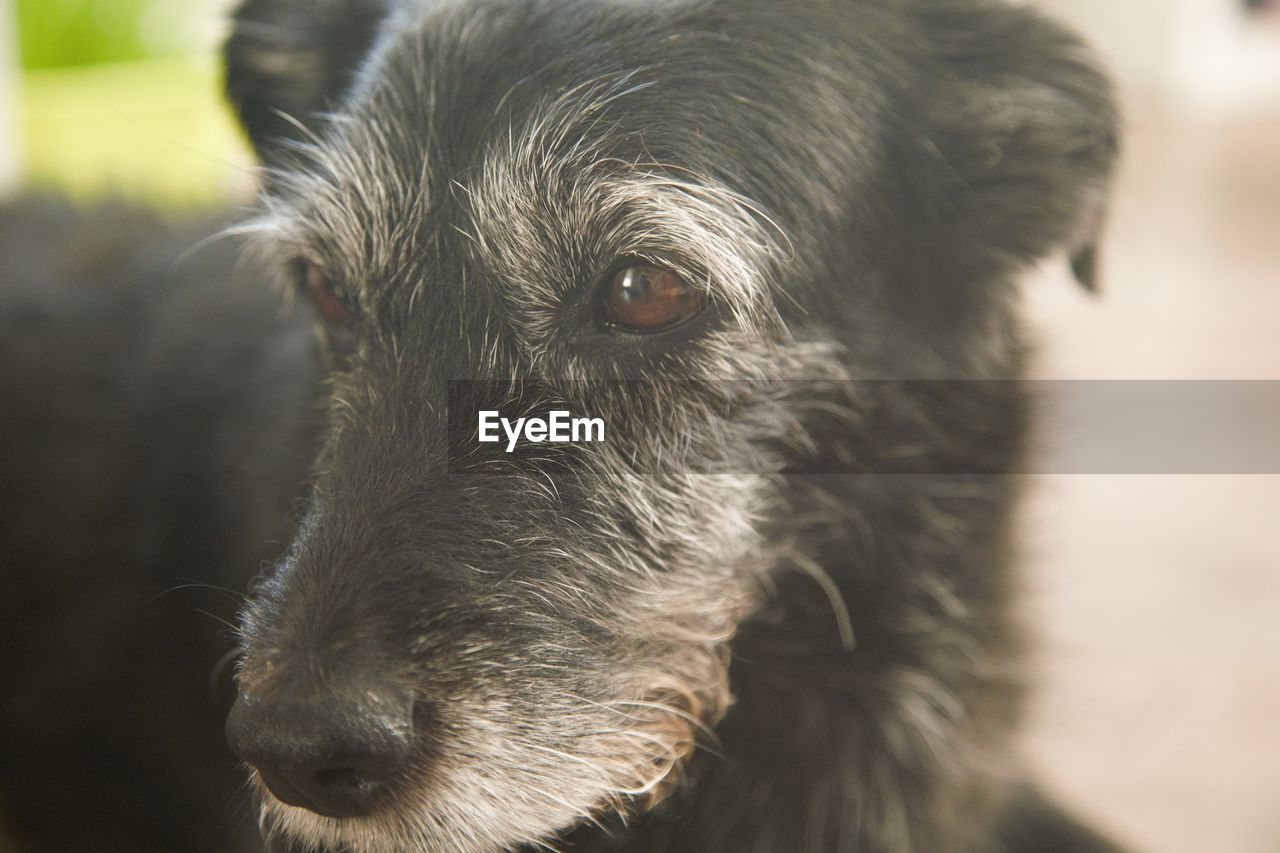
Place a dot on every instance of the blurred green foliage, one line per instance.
(124, 97)
(156, 130)
(58, 33)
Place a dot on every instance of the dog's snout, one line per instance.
(331, 755)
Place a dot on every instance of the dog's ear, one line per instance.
(1020, 138)
(288, 61)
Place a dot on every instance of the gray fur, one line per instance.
(765, 657)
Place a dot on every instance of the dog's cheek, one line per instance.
(706, 558)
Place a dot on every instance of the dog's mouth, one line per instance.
(295, 822)
(339, 793)
(497, 797)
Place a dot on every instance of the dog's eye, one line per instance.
(650, 299)
(322, 292)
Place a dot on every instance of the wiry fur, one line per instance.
(855, 185)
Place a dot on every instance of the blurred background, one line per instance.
(1156, 599)
(117, 96)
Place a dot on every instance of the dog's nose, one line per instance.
(332, 756)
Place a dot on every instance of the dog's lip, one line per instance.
(285, 792)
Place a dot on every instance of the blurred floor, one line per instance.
(1157, 598)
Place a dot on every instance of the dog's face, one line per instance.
(625, 206)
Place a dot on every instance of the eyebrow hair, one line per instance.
(552, 181)
(557, 179)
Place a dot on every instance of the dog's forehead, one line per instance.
(495, 148)
(545, 145)
(470, 85)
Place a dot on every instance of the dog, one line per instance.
(763, 640)
(774, 248)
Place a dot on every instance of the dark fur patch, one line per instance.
(155, 432)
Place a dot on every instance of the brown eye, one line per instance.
(650, 299)
(322, 293)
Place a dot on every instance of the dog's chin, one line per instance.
(291, 829)
(437, 822)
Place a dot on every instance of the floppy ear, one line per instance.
(1019, 141)
(287, 61)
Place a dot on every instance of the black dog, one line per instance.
(737, 213)
(469, 651)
